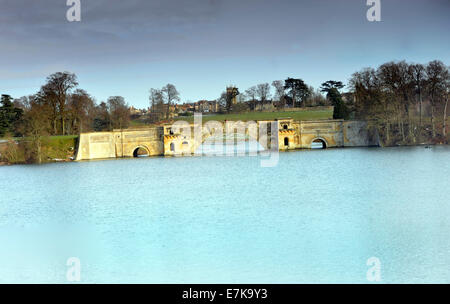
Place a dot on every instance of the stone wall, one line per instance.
(165, 140)
(119, 143)
(327, 131)
(358, 134)
(96, 146)
(355, 134)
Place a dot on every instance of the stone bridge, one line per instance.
(183, 138)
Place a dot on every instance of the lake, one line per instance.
(316, 217)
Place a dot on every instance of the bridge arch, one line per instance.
(141, 151)
(218, 134)
(319, 143)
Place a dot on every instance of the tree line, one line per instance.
(60, 107)
(161, 101)
(406, 102)
(292, 92)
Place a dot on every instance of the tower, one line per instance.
(232, 92)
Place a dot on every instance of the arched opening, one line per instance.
(318, 143)
(285, 127)
(140, 152)
(286, 141)
(172, 147)
(185, 146)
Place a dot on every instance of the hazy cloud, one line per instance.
(35, 35)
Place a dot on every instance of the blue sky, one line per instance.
(201, 46)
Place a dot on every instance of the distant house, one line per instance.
(185, 108)
(206, 106)
(136, 112)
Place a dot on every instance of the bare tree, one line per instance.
(58, 87)
(389, 96)
(47, 96)
(279, 91)
(158, 108)
(316, 98)
(81, 110)
(36, 121)
(102, 119)
(251, 93)
(153, 99)
(23, 102)
(397, 81)
(373, 101)
(263, 93)
(437, 75)
(222, 101)
(119, 112)
(418, 75)
(444, 125)
(171, 95)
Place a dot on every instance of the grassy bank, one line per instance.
(304, 115)
(61, 147)
(312, 114)
(53, 148)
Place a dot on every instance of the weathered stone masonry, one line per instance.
(163, 140)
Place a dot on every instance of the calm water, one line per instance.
(316, 217)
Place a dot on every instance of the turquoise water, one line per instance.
(316, 217)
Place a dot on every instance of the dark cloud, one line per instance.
(159, 29)
(35, 35)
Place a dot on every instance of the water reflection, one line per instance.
(315, 218)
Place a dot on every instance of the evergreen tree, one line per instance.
(9, 116)
(332, 88)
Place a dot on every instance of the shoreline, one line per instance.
(68, 160)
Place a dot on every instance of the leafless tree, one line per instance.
(396, 80)
(58, 88)
(37, 124)
(447, 91)
(279, 91)
(252, 93)
(437, 76)
(316, 98)
(153, 98)
(263, 93)
(418, 74)
(171, 95)
(81, 110)
(119, 112)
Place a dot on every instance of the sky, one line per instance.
(201, 46)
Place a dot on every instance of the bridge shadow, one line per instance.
(318, 143)
(141, 152)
